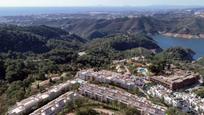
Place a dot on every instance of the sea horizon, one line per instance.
(21, 11)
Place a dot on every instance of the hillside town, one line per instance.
(102, 57)
(172, 87)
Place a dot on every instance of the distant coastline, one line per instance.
(20, 11)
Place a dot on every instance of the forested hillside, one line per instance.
(39, 39)
(124, 42)
(93, 28)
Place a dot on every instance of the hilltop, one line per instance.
(90, 27)
(124, 42)
(38, 39)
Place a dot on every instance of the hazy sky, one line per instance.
(6, 3)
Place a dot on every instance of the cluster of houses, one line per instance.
(56, 97)
(109, 77)
(109, 95)
(188, 102)
(32, 103)
(56, 105)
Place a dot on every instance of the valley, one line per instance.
(102, 61)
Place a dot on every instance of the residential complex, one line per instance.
(109, 95)
(54, 99)
(103, 76)
(28, 105)
(188, 102)
(56, 105)
(179, 79)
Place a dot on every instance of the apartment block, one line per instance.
(178, 80)
(31, 103)
(109, 77)
(108, 95)
(56, 105)
(188, 102)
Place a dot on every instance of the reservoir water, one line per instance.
(197, 45)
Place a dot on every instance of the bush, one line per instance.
(132, 111)
(87, 111)
(175, 111)
(200, 92)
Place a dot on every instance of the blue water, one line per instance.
(197, 45)
(16, 11)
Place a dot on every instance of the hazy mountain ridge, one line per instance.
(93, 28)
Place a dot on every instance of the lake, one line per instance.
(197, 45)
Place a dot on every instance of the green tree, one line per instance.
(2, 70)
(15, 92)
(175, 111)
(86, 111)
(158, 66)
(132, 111)
(200, 92)
(15, 70)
